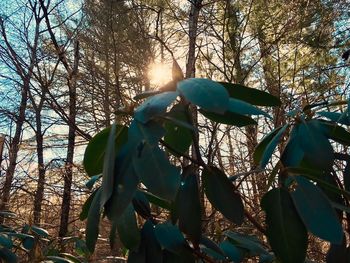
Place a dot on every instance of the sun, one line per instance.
(159, 74)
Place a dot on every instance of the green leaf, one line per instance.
(7, 255)
(170, 237)
(337, 253)
(318, 150)
(266, 147)
(27, 240)
(205, 93)
(125, 184)
(213, 253)
(212, 248)
(5, 241)
(285, 231)
(108, 168)
(243, 108)
(317, 176)
(150, 242)
(128, 230)
(188, 204)
(249, 243)
(232, 252)
(81, 248)
(89, 184)
(141, 204)
(292, 154)
(28, 243)
(341, 118)
(221, 194)
(177, 137)
(251, 95)
(157, 200)
(229, 118)
(316, 211)
(95, 151)
(39, 231)
(8, 214)
(338, 134)
(154, 106)
(93, 221)
(58, 259)
(148, 133)
(156, 172)
(86, 206)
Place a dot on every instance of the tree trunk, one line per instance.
(39, 194)
(14, 147)
(66, 199)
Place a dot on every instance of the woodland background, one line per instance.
(68, 69)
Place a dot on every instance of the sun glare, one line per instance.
(159, 74)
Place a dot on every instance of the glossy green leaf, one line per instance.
(188, 204)
(39, 231)
(247, 242)
(57, 259)
(156, 172)
(346, 176)
(337, 253)
(5, 241)
(338, 134)
(212, 248)
(154, 106)
(316, 211)
(292, 154)
(128, 230)
(86, 206)
(213, 254)
(125, 184)
(28, 243)
(81, 248)
(285, 231)
(318, 177)
(231, 251)
(251, 95)
(141, 204)
(245, 108)
(93, 221)
(8, 214)
(266, 147)
(170, 237)
(177, 137)
(108, 168)
(95, 151)
(341, 118)
(152, 248)
(229, 118)
(317, 149)
(221, 194)
(148, 133)
(157, 201)
(7, 255)
(90, 184)
(205, 93)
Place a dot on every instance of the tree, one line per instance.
(20, 64)
(292, 209)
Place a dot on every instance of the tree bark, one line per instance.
(66, 199)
